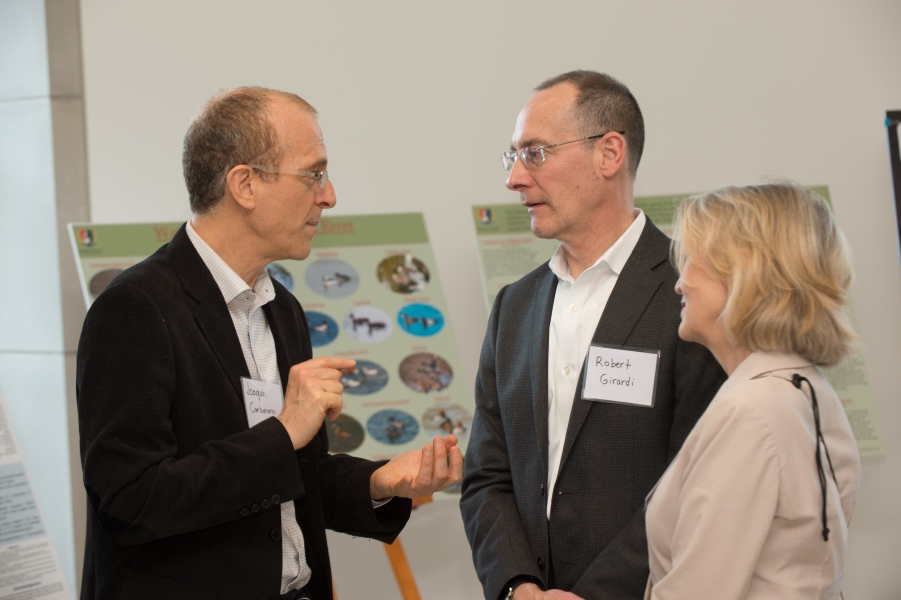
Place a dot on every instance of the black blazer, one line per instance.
(183, 496)
(595, 543)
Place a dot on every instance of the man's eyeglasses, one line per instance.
(321, 177)
(535, 156)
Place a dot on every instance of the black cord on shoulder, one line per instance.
(797, 380)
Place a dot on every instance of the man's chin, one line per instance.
(541, 231)
(301, 251)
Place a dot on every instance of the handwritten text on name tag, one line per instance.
(617, 374)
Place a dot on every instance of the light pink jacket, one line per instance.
(738, 514)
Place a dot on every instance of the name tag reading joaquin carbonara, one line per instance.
(261, 400)
(620, 374)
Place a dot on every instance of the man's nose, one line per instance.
(519, 177)
(327, 198)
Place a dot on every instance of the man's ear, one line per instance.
(242, 184)
(610, 154)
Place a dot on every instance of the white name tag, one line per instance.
(261, 400)
(620, 374)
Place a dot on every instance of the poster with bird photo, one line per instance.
(371, 293)
(508, 251)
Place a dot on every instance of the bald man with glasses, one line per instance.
(555, 477)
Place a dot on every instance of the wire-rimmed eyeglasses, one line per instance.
(321, 177)
(535, 156)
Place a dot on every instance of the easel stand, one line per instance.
(402, 572)
(399, 564)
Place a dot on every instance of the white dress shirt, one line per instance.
(578, 305)
(246, 308)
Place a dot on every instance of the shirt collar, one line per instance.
(230, 283)
(615, 257)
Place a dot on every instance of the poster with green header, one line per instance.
(370, 292)
(507, 251)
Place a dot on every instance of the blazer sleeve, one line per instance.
(727, 496)
(346, 503)
(621, 569)
(138, 484)
(500, 549)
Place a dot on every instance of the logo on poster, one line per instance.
(486, 216)
(86, 237)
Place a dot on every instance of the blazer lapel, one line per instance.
(545, 289)
(209, 309)
(634, 289)
(277, 314)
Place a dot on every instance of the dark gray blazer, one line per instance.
(594, 544)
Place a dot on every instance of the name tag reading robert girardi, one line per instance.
(261, 400)
(620, 374)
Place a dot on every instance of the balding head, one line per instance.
(233, 128)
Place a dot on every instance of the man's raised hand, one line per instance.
(419, 473)
(313, 394)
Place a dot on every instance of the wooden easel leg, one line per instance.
(402, 571)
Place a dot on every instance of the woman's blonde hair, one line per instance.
(784, 261)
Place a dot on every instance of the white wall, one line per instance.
(418, 99)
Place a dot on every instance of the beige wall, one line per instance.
(419, 98)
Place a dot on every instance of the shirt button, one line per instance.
(573, 308)
(566, 370)
(541, 563)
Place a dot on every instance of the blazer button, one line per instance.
(541, 563)
(275, 534)
(254, 508)
(245, 511)
(542, 489)
(276, 499)
(265, 503)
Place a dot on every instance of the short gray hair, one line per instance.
(604, 104)
(233, 128)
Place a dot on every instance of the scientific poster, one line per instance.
(371, 293)
(29, 566)
(103, 251)
(508, 251)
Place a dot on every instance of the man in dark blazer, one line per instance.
(185, 500)
(554, 484)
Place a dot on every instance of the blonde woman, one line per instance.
(757, 502)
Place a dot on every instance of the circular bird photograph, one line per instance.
(345, 434)
(425, 372)
(446, 420)
(100, 280)
(281, 275)
(420, 319)
(368, 324)
(332, 278)
(365, 378)
(393, 427)
(323, 328)
(403, 273)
